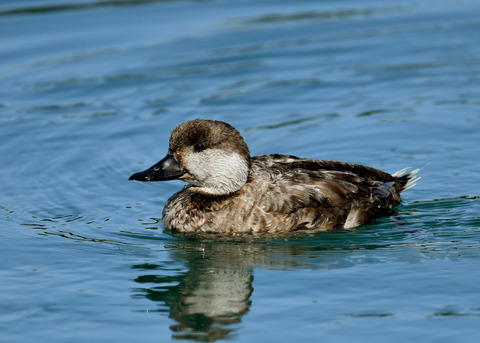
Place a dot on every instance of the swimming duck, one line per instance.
(231, 192)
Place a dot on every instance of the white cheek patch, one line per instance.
(216, 171)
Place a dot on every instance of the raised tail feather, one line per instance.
(406, 180)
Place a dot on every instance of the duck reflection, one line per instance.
(210, 293)
(211, 297)
(214, 293)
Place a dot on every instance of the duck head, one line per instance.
(210, 155)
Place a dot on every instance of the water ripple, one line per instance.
(339, 14)
(75, 6)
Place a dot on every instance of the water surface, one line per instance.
(89, 94)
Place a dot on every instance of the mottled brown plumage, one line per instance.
(274, 193)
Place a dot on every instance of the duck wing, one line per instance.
(401, 179)
(327, 194)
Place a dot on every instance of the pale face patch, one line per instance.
(215, 171)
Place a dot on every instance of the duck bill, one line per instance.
(166, 169)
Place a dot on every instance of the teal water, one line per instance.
(89, 93)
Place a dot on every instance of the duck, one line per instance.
(230, 191)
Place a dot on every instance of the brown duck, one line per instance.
(231, 192)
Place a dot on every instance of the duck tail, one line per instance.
(406, 180)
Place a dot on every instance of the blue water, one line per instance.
(89, 93)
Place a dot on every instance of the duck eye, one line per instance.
(199, 147)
